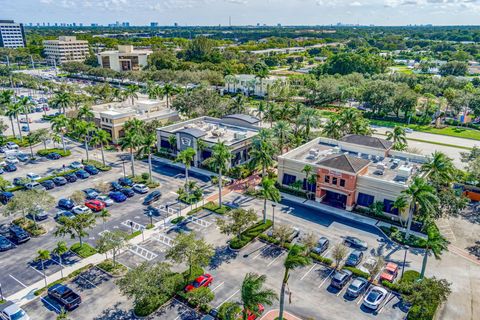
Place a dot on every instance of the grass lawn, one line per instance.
(402, 69)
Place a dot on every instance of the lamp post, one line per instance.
(273, 214)
(404, 259)
(1, 292)
(123, 163)
(131, 227)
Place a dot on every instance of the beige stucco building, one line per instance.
(250, 84)
(65, 49)
(126, 58)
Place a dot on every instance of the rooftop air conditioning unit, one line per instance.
(359, 155)
(240, 135)
(404, 171)
(336, 149)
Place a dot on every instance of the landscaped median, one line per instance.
(84, 250)
(64, 279)
(97, 164)
(249, 235)
(46, 152)
(60, 174)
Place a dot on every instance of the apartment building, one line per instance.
(353, 171)
(65, 49)
(249, 84)
(126, 58)
(12, 34)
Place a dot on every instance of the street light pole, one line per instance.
(123, 163)
(273, 213)
(404, 259)
(1, 292)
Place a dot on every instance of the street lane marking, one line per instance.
(228, 299)
(306, 273)
(221, 284)
(17, 280)
(325, 280)
(51, 305)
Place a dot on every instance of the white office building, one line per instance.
(126, 58)
(66, 49)
(12, 34)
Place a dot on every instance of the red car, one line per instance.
(95, 205)
(390, 272)
(202, 281)
(253, 316)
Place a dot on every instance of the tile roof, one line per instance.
(344, 162)
(368, 141)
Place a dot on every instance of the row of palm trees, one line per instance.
(13, 107)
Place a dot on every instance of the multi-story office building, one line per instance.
(126, 58)
(12, 34)
(249, 84)
(66, 49)
(353, 171)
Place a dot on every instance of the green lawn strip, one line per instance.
(64, 279)
(212, 206)
(45, 152)
(84, 251)
(117, 270)
(133, 235)
(248, 235)
(399, 237)
(97, 164)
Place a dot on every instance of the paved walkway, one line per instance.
(272, 314)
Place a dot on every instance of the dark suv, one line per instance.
(18, 235)
(340, 278)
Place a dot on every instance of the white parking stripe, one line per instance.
(88, 281)
(325, 280)
(271, 262)
(260, 253)
(221, 284)
(40, 272)
(362, 296)
(51, 305)
(386, 301)
(17, 280)
(228, 299)
(306, 273)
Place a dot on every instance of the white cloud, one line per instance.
(355, 4)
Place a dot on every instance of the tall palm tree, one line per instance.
(309, 178)
(135, 125)
(332, 129)
(262, 151)
(131, 141)
(12, 113)
(420, 196)
(439, 170)
(25, 104)
(101, 137)
(253, 294)
(186, 157)
(435, 244)
(268, 192)
(17, 110)
(172, 140)
(398, 137)
(84, 131)
(131, 92)
(309, 118)
(60, 125)
(282, 131)
(59, 251)
(85, 113)
(62, 100)
(168, 91)
(6, 97)
(219, 162)
(149, 141)
(297, 257)
(43, 135)
(42, 256)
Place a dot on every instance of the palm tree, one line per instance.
(297, 257)
(6, 97)
(12, 113)
(101, 137)
(282, 131)
(135, 125)
(24, 104)
(168, 91)
(308, 169)
(84, 129)
(268, 192)
(332, 129)
(186, 157)
(172, 141)
(440, 169)
(420, 196)
(149, 142)
(131, 92)
(436, 244)
(43, 135)
(60, 125)
(262, 151)
(59, 251)
(104, 214)
(309, 119)
(42, 256)
(85, 113)
(253, 294)
(62, 100)
(131, 141)
(219, 162)
(398, 137)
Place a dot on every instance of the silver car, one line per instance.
(357, 287)
(105, 199)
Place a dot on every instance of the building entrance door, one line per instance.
(335, 199)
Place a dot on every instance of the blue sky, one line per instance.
(243, 12)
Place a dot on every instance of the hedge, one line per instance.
(248, 235)
(97, 164)
(133, 235)
(399, 237)
(60, 174)
(148, 306)
(45, 152)
(177, 220)
(70, 276)
(107, 266)
(84, 251)
(212, 206)
(358, 273)
(410, 276)
(326, 261)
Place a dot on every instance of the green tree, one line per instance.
(84, 130)
(262, 151)
(131, 92)
(332, 129)
(282, 131)
(435, 244)
(149, 142)
(229, 310)
(85, 113)
(12, 113)
(200, 297)
(309, 119)
(62, 100)
(169, 90)
(131, 141)
(398, 138)
(112, 241)
(339, 252)
(268, 191)
(186, 158)
(25, 106)
(104, 214)
(237, 221)
(76, 227)
(60, 249)
(253, 294)
(219, 162)
(101, 137)
(23, 202)
(44, 135)
(60, 125)
(439, 170)
(42, 256)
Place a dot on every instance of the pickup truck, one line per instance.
(65, 296)
(10, 311)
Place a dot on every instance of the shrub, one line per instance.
(419, 313)
(248, 235)
(196, 272)
(148, 306)
(177, 220)
(84, 251)
(97, 164)
(108, 266)
(322, 260)
(399, 237)
(358, 273)
(268, 239)
(290, 190)
(45, 152)
(410, 276)
(212, 206)
(133, 235)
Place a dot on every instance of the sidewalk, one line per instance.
(273, 314)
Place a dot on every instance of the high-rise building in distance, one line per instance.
(12, 34)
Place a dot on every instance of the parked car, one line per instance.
(70, 177)
(48, 184)
(115, 186)
(33, 176)
(53, 156)
(125, 182)
(128, 192)
(355, 242)
(340, 278)
(81, 209)
(375, 297)
(91, 169)
(18, 235)
(11, 159)
(82, 174)
(66, 204)
(354, 258)
(1, 170)
(322, 245)
(91, 193)
(76, 165)
(152, 197)
(117, 196)
(6, 196)
(24, 120)
(95, 205)
(34, 186)
(10, 167)
(357, 287)
(5, 244)
(408, 130)
(22, 157)
(105, 199)
(140, 188)
(201, 281)
(62, 214)
(65, 296)
(20, 181)
(11, 311)
(390, 272)
(59, 181)
(25, 129)
(12, 145)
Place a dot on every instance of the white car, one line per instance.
(11, 159)
(81, 209)
(140, 188)
(11, 311)
(375, 297)
(33, 176)
(408, 130)
(34, 186)
(76, 165)
(105, 199)
(12, 146)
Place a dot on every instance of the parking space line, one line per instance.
(386, 301)
(221, 284)
(17, 280)
(306, 273)
(344, 288)
(228, 299)
(271, 262)
(325, 280)
(93, 284)
(363, 296)
(51, 305)
(39, 272)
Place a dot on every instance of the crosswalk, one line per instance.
(446, 230)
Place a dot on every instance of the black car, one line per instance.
(91, 169)
(125, 182)
(354, 258)
(152, 197)
(115, 186)
(10, 167)
(5, 197)
(59, 181)
(53, 156)
(70, 177)
(127, 191)
(18, 235)
(82, 174)
(65, 296)
(48, 184)
(20, 181)
(340, 278)
(355, 242)
(321, 246)
(66, 204)
(5, 244)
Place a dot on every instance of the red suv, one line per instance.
(95, 205)
(202, 281)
